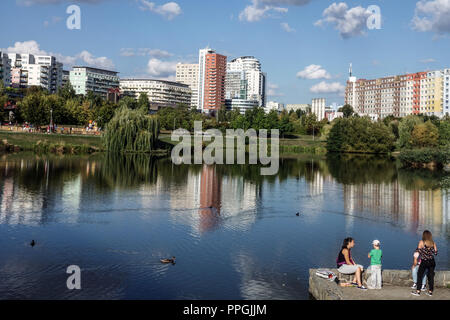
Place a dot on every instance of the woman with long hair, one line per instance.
(346, 264)
(427, 250)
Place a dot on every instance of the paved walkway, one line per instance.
(393, 293)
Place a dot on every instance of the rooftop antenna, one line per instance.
(350, 70)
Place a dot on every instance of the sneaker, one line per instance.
(429, 293)
(414, 286)
(423, 287)
(362, 288)
(415, 293)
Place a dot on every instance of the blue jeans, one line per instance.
(415, 270)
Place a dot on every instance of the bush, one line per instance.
(422, 157)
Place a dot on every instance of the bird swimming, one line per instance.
(172, 260)
(33, 243)
(298, 214)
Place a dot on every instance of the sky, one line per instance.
(305, 46)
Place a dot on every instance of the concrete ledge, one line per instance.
(322, 289)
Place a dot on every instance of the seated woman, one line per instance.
(346, 265)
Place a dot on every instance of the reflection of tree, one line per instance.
(359, 169)
(420, 179)
(129, 170)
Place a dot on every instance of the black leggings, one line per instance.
(426, 265)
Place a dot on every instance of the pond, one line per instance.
(235, 234)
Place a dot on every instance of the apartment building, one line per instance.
(188, 74)
(272, 105)
(98, 81)
(160, 93)
(5, 69)
(248, 68)
(294, 107)
(446, 92)
(318, 108)
(213, 92)
(401, 95)
(35, 70)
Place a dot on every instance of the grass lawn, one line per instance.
(27, 140)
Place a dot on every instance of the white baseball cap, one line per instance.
(376, 242)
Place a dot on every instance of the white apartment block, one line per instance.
(401, 95)
(294, 107)
(160, 93)
(255, 79)
(188, 74)
(272, 105)
(242, 104)
(318, 108)
(35, 70)
(98, 81)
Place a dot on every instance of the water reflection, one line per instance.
(33, 189)
(117, 215)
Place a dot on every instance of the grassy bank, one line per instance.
(290, 145)
(28, 141)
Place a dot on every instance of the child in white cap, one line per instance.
(374, 281)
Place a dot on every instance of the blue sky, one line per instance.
(305, 46)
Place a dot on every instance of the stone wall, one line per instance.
(322, 289)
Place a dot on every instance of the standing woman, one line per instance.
(427, 250)
(346, 265)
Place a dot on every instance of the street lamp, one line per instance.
(51, 120)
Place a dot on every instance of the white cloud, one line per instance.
(349, 22)
(432, 15)
(328, 87)
(169, 10)
(430, 60)
(273, 90)
(286, 27)
(161, 69)
(313, 72)
(156, 53)
(260, 9)
(32, 47)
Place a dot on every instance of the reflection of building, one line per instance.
(412, 208)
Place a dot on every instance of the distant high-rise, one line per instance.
(318, 108)
(248, 68)
(211, 84)
(188, 74)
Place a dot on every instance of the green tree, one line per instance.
(131, 131)
(425, 135)
(143, 102)
(347, 110)
(128, 102)
(67, 91)
(444, 132)
(360, 135)
(405, 129)
(34, 109)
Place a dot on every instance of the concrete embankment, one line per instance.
(396, 286)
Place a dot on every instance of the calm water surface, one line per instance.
(235, 234)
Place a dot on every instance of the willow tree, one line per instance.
(131, 131)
